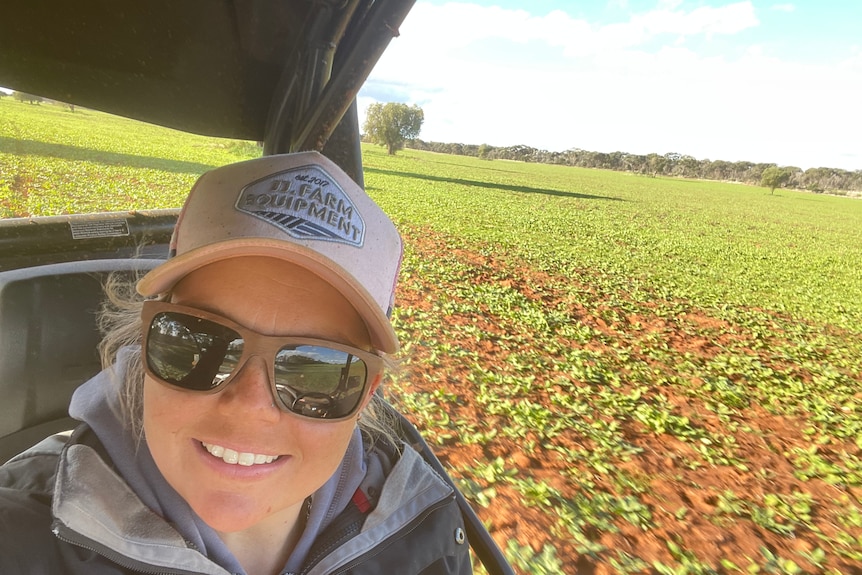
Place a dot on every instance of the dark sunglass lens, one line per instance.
(319, 382)
(191, 352)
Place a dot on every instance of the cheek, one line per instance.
(157, 407)
(165, 414)
(323, 446)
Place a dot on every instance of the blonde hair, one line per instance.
(120, 325)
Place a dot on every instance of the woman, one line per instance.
(235, 428)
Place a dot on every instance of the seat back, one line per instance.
(48, 343)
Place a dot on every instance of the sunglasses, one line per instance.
(194, 350)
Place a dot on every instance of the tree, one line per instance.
(774, 177)
(393, 124)
(25, 97)
(656, 164)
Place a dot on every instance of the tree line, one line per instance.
(397, 125)
(34, 99)
(817, 180)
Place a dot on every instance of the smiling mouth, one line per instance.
(232, 457)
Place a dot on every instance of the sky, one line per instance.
(771, 81)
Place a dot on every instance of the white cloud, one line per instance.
(729, 19)
(504, 77)
(783, 7)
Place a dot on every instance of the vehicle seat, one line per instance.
(48, 343)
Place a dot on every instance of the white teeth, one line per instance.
(235, 457)
(230, 456)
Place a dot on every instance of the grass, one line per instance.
(623, 306)
(714, 243)
(53, 161)
(635, 365)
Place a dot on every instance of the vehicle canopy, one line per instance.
(279, 72)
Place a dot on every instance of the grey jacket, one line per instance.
(64, 510)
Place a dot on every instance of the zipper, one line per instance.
(342, 531)
(410, 527)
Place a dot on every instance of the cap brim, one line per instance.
(164, 277)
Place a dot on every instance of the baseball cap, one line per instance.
(300, 208)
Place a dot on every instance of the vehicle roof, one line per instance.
(212, 67)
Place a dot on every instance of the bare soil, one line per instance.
(683, 501)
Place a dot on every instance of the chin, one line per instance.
(232, 512)
(229, 513)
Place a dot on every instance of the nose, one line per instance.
(250, 392)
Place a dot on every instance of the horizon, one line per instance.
(10, 92)
(762, 82)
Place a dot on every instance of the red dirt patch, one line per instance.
(682, 504)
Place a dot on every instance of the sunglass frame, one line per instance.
(254, 344)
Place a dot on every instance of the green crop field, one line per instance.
(624, 374)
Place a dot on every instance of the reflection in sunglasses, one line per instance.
(198, 351)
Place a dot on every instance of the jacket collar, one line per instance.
(95, 508)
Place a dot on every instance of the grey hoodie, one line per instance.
(112, 511)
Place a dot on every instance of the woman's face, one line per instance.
(272, 298)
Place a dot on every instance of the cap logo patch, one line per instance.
(307, 203)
